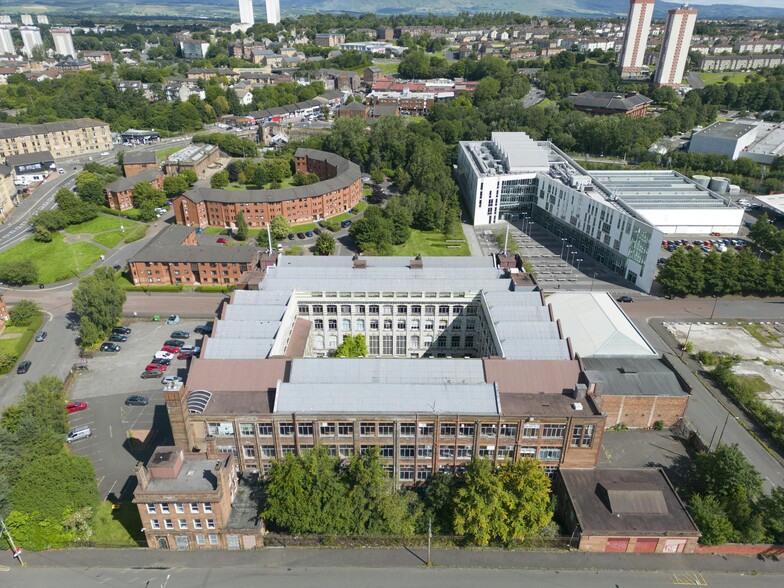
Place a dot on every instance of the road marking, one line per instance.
(110, 431)
(110, 489)
(689, 579)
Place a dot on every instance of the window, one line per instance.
(386, 429)
(303, 309)
(387, 451)
(345, 324)
(221, 429)
(360, 324)
(179, 508)
(465, 451)
(345, 429)
(549, 453)
(486, 450)
(553, 431)
(194, 506)
(246, 429)
(345, 309)
(267, 451)
(448, 429)
(327, 428)
(588, 436)
(457, 309)
(426, 429)
(430, 309)
(429, 325)
(318, 309)
(164, 508)
(305, 429)
(387, 344)
(210, 523)
(213, 539)
(183, 524)
(401, 309)
(388, 324)
(150, 508)
(423, 473)
(466, 429)
(374, 324)
(424, 451)
(360, 309)
(333, 324)
(318, 324)
(531, 431)
(207, 506)
(470, 325)
(455, 340)
(367, 429)
(508, 430)
(387, 309)
(446, 451)
(286, 429)
(406, 473)
(332, 309)
(415, 324)
(407, 429)
(373, 309)
(441, 341)
(288, 449)
(488, 430)
(577, 435)
(443, 309)
(168, 524)
(505, 451)
(528, 452)
(345, 450)
(416, 309)
(155, 524)
(249, 451)
(200, 540)
(407, 451)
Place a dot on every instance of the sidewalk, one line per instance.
(396, 558)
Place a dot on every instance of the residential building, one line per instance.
(371, 74)
(336, 79)
(27, 19)
(8, 201)
(759, 46)
(385, 33)
(624, 511)
(182, 90)
(273, 11)
(63, 139)
(375, 47)
(329, 39)
(75, 65)
(31, 38)
(186, 501)
(197, 158)
(135, 162)
(42, 19)
(675, 47)
(353, 110)
(298, 110)
(119, 194)
(246, 12)
(408, 102)
(192, 49)
(722, 63)
(339, 190)
(63, 43)
(98, 56)
(29, 168)
(638, 26)
(6, 41)
(631, 104)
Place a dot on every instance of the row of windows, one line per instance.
(386, 309)
(179, 507)
(387, 324)
(182, 524)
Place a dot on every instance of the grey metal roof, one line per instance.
(519, 347)
(454, 263)
(259, 312)
(726, 130)
(167, 247)
(124, 184)
(53, 127)
(29, 158)
(384, 371)
(246, 329)
(143, 157)
(631, 376)
(350, 397)
(242, 348)
(609, 100)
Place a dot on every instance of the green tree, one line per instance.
(772, 509)
(720, 472)
(24, 312)
(279, 227)
(352, 346)
(480, 511)
(18, 273)
(438, 502)
(486, 90)
(348, 138)
(42, 234)
(399, 219)
(92, 191)
(713, 274)
(325, 244)
(174, 185)
(145, 194)
(377, 176)
(242, 227)
(100, 299)
(711, 519)
(89, 334)
(528, 504)
(220, 180)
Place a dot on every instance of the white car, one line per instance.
(171, 380)
(164, 355)
(105, 153)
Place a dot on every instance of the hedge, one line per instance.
(16, 347)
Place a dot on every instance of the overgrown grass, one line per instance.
(761, 334)
(117, 528)
(432, 243)
(55, 261)
(386, 68)
(138, 233)
(711, 79)
(164, 153)
(361, 205)
(15, 346)
(100, 224)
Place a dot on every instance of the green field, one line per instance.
(431, 243)
(386, 68)
(117, 527)
(711, 79)
(100, 224)
(164, 153)
(56, 261)
(110, 239)
(361, 205)
(236, 186)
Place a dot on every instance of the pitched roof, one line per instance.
(139, 157)
(609, 100)
(167, 247)
(53, 127)
(124, 184)
(29, 158)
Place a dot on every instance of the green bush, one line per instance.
(162, 288)
(707, 358)
(24, 312)
(222, 289)
(658, 426)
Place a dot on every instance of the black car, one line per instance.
(180, 335)
(121, 331)
(117, 267)
(137, 400)
(317, 231)
(174, 343)
(110, 347)
(203, 329)
(161, 361)
(300, 235)
(23, 367)
(291, 236)
(625, 299)
(118, 338)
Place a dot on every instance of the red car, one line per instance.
(222, 241)
(75, 406)
(185, 355)
(155, 366)
(170, 349)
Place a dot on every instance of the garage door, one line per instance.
(646, 545)
(616, 545)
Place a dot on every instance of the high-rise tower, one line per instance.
(675, 47)
(273, 11)
(246, 12)
(638, 26)
(63, 43)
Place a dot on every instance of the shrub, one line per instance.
(24, 312)
(658, 426)
(707, 358)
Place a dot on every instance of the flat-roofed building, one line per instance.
(197, 158)
(758, 140)
(31, 167)
(63, 139)
(31, 39)
(63, 43)
(635, 39)
(674, 52)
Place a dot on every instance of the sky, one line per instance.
(766, 3)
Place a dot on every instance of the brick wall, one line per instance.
(598, 543)
(642, 411)
(131, 169)
(163, 273)
(741, 549)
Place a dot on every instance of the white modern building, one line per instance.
(63, 43)
(273, 11)
(675, 46)
(5, 19)
(42, 19)
(246, 12)
(31, 37)
(27, 20)
(617, 218)
(638, 27)
(758, 140)
(6, 41)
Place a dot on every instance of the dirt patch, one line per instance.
(773, 375)
(727, 338)
(70, 239)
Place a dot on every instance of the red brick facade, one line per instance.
(123, 199)
(641, 412)
(159, 274)
(131, 169)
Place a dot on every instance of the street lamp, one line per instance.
(566, 257)
(578, 260)
(572, 254)
(593, 280)
(563, 242)
(531, 229)
(715, 301)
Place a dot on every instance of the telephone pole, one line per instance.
(14, 549)
(429, 538)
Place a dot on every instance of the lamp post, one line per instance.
(568, 247)
(686, 342)
(563, 242)
(593, 280)
(531, 229)
(578, 260)
(715, 301)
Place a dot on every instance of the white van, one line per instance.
(78, 433)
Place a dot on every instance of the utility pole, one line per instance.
(14, 549)
(429, 539)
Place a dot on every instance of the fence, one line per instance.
(684, 429)
(381, 541)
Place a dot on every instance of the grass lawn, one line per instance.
(55, 261)
(110, 239)
(303, 228)
(386, 68)
(164, 153)
(100, 224)
(15, 340)
(361, 205)
(117, 528)
(431, 243)
(136, 234)
(544, 103)
(367, 192)
(711, 79)
(235, 186)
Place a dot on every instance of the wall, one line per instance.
(701, 221)
(638, 412)
(131, 169)
(741, 549)
(598, 543)
(158, 274)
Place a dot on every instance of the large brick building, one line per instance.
(119, 194)
(135, 162)
(8, 197)
(62, 139)
(197, 158)
(339, 191)
(631, 104)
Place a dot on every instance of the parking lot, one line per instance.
(108, 381)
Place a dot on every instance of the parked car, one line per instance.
(290, 236)
(625, 299)
(345, 224)
(180, 335)
(203, 329)
(137, 400)
(190, 349)
(75, 406)
(164, 355)
(40, 336)
(118, 338)
(300, 235)
(24, 367)
(155, 366)
(162, 361)
(171, 380)
(308, 233)
(222, 241)
(317, 231)
(174, 343)
(121, 331)
(110, 347)
(185, 355)
(173, 319)
(78, 433)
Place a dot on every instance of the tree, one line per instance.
(377, 176)
(480, 505)
(242, 227)
(220, 180)
(348, 139)
(89, 334)
(146, 195)
(711, 519)
(100, 299)
(352, 346)
(92, 191)
(279, 227)
(24, 312)
(438, 502)
(174, 185)
(42, 235)
(325, 244)
(719, 473)
(18, 273)
(528, 506)
(189, 176)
